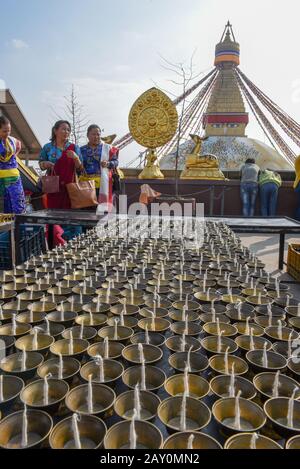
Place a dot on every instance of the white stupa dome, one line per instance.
(231, 153)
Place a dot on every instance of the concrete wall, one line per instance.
(219, 197)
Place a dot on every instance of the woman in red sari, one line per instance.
(62, 158)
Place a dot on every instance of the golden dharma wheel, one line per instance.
(153, 119)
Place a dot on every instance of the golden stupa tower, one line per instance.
(225, 114)
(225, 119)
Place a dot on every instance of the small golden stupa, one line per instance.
(199, 166)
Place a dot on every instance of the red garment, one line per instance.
(65, 169)
(114, 151)
(45, 201)
(57, 235)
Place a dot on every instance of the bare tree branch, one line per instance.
(73, 111)
(186, 73)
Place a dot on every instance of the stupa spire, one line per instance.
(227, 50)
(225, 113)
(228, 31)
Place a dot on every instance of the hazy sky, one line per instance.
(110, 50)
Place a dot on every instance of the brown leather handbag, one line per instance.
(82, 194)
(50, 183)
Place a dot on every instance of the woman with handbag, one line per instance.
(11, 188)
(100, 161)
(62, 159)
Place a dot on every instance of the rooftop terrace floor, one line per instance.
(266, 248)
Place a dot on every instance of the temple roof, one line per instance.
(21, 129)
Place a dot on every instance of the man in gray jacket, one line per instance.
(249, 173)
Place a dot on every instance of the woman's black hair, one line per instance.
(250, 160)
(92, 127)
(4, 121)
(56, 127)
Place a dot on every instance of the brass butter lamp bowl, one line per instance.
(293, 443)
(198, 386)
(70, 368)
(103, 400)
(114, 349)
(220, 386)
(124, 405)
(198, 362)
(252, 417)
(154, 377)
(264, 383)
(12, 364)
(148, 436)
(277, 409)
(91, 430)
(33, 395)
(39, 426)
(180, 440)
(198, 414)
(12, 386)
(244, 441)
